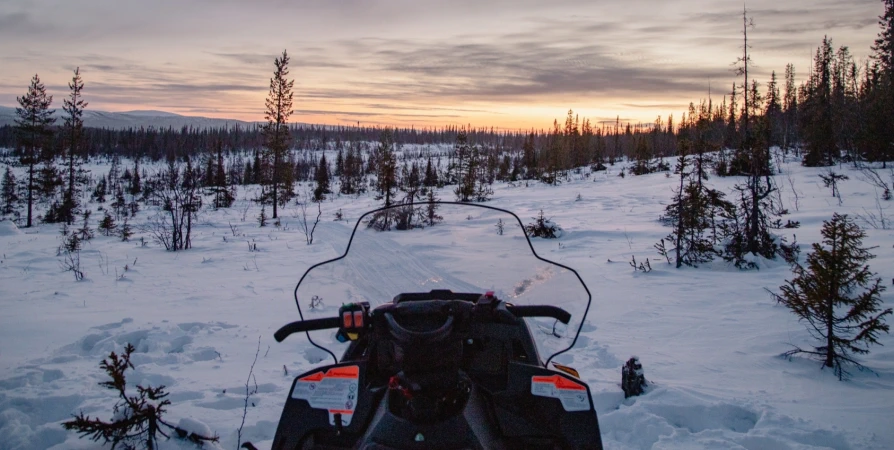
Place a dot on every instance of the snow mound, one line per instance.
(193, 426)
(8, 228)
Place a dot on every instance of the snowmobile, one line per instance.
(442, 313)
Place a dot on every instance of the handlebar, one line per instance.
(540, 311)
(305, 325)
(334, 322)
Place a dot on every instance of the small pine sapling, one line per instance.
(107, 225)
(85, 233)
(126, 231)
(262, 218)
(99, 191)
(662, 250)
(500, 226)
(72, 254)
(837, 296)
(543, 227)
(830, 180)
(633, 380)
(645, 267)
(136, 419)
(431, 209)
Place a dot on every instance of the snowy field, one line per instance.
(709, 338)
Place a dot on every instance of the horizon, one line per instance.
(507, 65)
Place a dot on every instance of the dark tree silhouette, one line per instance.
(277, 137)
(33, 120)
(74, 129)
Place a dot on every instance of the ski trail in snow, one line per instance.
(375, 276)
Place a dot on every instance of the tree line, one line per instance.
(840, 113)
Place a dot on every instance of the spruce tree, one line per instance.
(339, 163)
(431, 208)
(74, 129)
(126, 231)
(879, 89)
(8, 193)
(352, 173)
(430, 179)
(837, 296)
(676, 211)
(773, 112)
(695, 208)
(107, 225)
(137, 415)
(136, 185)
(220, 185)
(33, 120)
(85, 233)
(749, 230)
(817, 123)
(386, 173)
(471, 187)
(277, 137)
(883, 48)
(100, 190)
(386, 183)
(321, 177)
(790, 110)
(529, 157)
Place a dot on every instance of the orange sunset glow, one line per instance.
(506, 64)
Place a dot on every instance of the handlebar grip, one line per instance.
(540, 311)
(305, 325)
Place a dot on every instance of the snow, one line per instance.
(709, 339)
(8, 228)
(193, 426)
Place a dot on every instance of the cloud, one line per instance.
(664, 106)
(519, 69)
(18, 23)
(371, 113)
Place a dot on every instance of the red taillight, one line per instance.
(346, 319)
(358, 319)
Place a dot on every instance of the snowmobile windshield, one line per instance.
(465, 248)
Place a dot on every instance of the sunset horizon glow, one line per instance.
(511, 65)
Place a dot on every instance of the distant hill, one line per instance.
(134, 119)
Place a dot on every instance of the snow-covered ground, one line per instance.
(709, 338)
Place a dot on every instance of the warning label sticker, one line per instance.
(335, 390)
(573, 395)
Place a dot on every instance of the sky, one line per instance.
(511, 64)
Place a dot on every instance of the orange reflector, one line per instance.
(569, 370)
